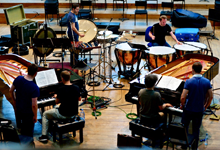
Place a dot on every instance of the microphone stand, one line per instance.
(110, 61)
(122, 19)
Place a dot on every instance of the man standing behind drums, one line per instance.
(159, 31)
(73, 27)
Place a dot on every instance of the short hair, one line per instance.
(74, 6)
(197, 67)
(65, 75)
(150, 80)
(162, 17)
(32, 69)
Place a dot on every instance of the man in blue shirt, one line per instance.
(196, 97)
(73, 27)
(25, 102)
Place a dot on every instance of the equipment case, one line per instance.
(187, 34)
(21, 28)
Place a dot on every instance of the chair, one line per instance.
(51, 7)
(120, 1)
(156, 3)
(183, 2)
(152, 132)
(83, 13)
(217, 4)
(167, 5)
(67, 125)
(142, 11)
(177, 134)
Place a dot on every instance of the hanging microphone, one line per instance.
(111, 19)
(37, 13)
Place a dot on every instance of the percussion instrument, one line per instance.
(40, 34)
(88, 28)
(127, 56)
(164, 53)
(189, 47)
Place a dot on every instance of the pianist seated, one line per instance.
(151, 103)
(68, 96)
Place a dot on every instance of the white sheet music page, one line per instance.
(169, 82)
(47, 77)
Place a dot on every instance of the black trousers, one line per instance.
(25, 123)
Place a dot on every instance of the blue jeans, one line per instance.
(196, 118)
(156, 44)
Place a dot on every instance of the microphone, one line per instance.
(111, 19)
(37, 13)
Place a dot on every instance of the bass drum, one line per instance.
(40, 34)
(88, 28)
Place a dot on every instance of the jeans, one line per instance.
(165, 44)
(25, 122)
(50, 115)
(196, 118)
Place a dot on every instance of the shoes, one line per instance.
(43, 138)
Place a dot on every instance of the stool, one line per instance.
(152, 132)
(68, 125)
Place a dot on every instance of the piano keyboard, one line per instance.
(135, 98)
(45, 100)
(175, 109)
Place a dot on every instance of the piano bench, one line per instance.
(67, 125)
(152, 132)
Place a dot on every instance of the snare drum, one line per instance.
(189, 47)
(159, 55)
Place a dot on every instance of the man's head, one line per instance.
(75, 8)
(65, 75)
(150, 80)
(196, 67)
(32, 69)
(163, 20)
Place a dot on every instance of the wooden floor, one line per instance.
(102, 133)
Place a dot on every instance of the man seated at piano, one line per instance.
(151, 103)
(196, 97)
(68, 96)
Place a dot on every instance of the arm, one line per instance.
(183, 98)
(151, 35)
(174, 37)
(34, 109)
(209, 97)
(57, 101)
(75, 30)
(11, 91)
(162, 107)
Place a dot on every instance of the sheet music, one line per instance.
(169, 82)
(47, 77)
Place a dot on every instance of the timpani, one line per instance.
(165, 55)
(189, 47)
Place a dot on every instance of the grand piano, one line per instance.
(180, 68)
(12, 65)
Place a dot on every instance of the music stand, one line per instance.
(122, 19)
(214, 16)
(48, 43)
(63, 43)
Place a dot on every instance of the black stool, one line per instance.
(68, 125)
(152, 132)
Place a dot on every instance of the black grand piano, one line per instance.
(172, 96)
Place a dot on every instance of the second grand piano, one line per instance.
(181, 69)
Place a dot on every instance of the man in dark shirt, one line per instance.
(159, 31)
(73, 28)
(150, 102)
(68, 96)
(25, 102)
(196, 97)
